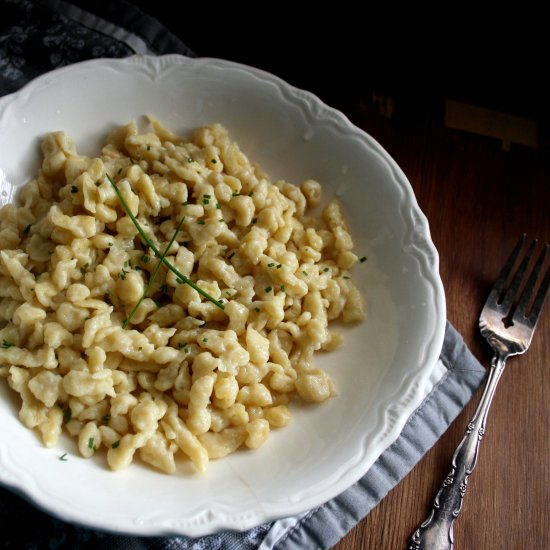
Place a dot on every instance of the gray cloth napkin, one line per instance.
(38, 36)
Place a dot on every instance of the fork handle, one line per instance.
(436, 532)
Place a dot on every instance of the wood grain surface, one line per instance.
(478, 199)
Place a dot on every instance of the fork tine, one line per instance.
(498, 287)
(512, 291)
(521, 309)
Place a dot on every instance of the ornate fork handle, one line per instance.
(436, 533)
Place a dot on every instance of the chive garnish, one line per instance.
(63, 457)
(268, 288)
(156, 251)
(157, 267)
(115, 444)
(363, 259)
(6, 344)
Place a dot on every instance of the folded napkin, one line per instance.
(36, 37)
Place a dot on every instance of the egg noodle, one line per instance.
(166, 296)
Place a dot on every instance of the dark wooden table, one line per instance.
(478, 199)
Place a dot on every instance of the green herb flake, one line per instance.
(27, 229)
(67, 415)
(74, 189)
(236, 194)
(91, 444)
(251, 193)
(282, 288)
(162, 259)
(201, 222)
(180, 281)
(63, 457)
(257, 309)
(271, 264)
(326, 269)
(145, 259)
(214, 161)
(268, 288)
(363, 259)
(279, 266)
(182, 346)
(6, 344)
(205, 340)
(346, 277)
(115, 444)
(205, 201)
(218, 206)
(305, 273)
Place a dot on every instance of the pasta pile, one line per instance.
(101, 340)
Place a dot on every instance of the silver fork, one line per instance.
(507, 322)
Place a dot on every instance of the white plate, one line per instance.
(379, 371)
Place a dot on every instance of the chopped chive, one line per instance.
(326, 269)
(205, 201)
(91, 444)
(305, 273)
(205, 340)
(235, 194)
(156, 251)
(180, 281)
(282, 288)
(157, 267)
(145, 259)
(251, 193)
(214, 161)
(218, 206)
(6, 344)
(279, 266)
(346, 277)
(115, 444)
(268, 288)
(63, 457)
(271, 264)
(221, 220)
(363, 259)
(67, 415)
(257, 309)
(201, 222)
